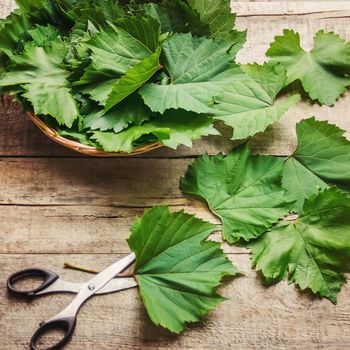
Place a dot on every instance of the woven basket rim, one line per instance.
(51, 133)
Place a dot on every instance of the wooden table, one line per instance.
(57, 206)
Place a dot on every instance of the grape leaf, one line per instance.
(321, 159)
(170, 17)
(46, 11)
(198, 70)
(115, 51)
(210, 18)
(220, 19)
(99, 13)
(130, 111)
(172, 129)
(184, 127)
(41, 75)
(77, 136)
(249, 103)
(134, 78)
(44, 35)
(124, 141)
(323, 71)
(176, 269)
(244, 191)
(173, 16)
(314, 250)
(216, 13)
(144, 29)
(12, 32)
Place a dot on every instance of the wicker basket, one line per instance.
(84, 149)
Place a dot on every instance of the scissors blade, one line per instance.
(116, 285)
(93, 286)
(101, 279)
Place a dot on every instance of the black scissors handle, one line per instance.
(66, 324)
(48, 277)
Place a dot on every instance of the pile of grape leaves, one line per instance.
(120, 74)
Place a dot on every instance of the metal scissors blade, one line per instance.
(115, 285)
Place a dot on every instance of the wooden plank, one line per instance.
(314, 9)
(80, 229)
(253, 317)
(261, 32)
(6, 6)
(96, 182)
(18, 137)
(57, 203)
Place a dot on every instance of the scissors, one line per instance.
(103, 283)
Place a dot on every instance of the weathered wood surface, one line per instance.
(56, 206)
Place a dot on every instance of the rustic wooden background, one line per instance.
(56, 206)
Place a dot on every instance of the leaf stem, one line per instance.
(79, 268)
(92, 271)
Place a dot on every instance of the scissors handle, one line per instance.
(65, 324)
(48, 277)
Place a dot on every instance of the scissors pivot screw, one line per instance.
(91, 286)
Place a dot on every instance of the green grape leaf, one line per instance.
(76, 136)
(47, 11)
(176, 269)
(130, 111)
(314, 250)
(44, 35)
(210, 18)
(185, 127)
(323, 72)
(41, 74)
(134, 78)
(244, 191)
(218, 16)
(173, 16)
(321, 159)
(124, 141)
(11, 34)
(145, 29)
(174, 128)
(99, 13)
(115, 51)
(249, 103)
(198, 68)
(170, 17)
(27, 6)
(216, 13)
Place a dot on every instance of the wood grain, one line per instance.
(80, 229)
(56, 206)
(111, 182)
(312, 9)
